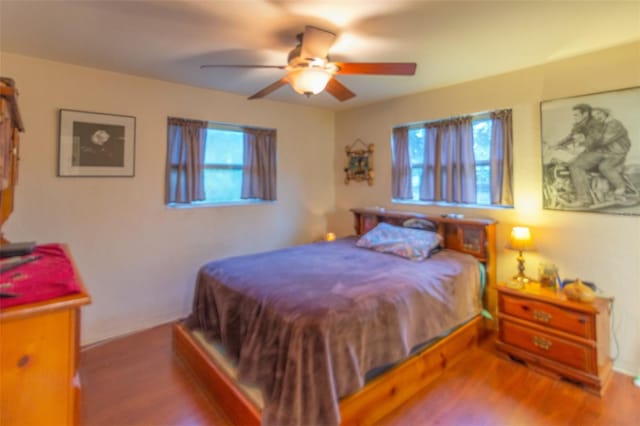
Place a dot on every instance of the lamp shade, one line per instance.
(309, 81)
(520, 239)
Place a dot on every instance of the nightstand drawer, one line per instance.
(558, 318)
(567, 352)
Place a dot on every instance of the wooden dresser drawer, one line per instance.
(574, 354)
(577, 323)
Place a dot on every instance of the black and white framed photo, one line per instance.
(96, 144)
(591, 152)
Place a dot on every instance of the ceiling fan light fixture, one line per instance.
(309, 81)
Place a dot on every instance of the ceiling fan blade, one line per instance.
(271, 88)
(339, 90)
(316, 42)
(281, 67)
(379, 68)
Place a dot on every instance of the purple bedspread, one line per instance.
(306, 323)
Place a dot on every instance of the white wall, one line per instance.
(139, 258)
(601, 248)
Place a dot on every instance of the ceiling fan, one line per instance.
(309, 70)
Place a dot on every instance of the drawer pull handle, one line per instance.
(541, 343)
(542, 316)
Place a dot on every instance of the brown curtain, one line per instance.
(259, 164)
(185, 160)
(401, 165)
(449, 171)
(501, 158)
(430, 186)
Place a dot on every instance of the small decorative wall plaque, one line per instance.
(360, 162)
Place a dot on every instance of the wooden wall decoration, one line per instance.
(360, 162)
(10, 128)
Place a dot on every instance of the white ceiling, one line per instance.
(451, 41)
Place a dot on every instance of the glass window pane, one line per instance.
(416, 176)
(416, 146)
(224, 147)
(483, 184)
(482, 139)
(222, 184)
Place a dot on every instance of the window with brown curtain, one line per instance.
(210, 163)
(460, 160)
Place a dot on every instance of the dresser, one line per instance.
(39, 353)
(564, 339)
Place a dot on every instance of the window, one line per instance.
(481, 163)
(215, 163)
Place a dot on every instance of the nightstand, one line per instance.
(556, 336)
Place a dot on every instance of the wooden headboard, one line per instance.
(476, 237)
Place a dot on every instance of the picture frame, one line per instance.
(93, 144)
(359, 163)
(591, 152)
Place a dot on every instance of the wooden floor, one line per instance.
(134, 380)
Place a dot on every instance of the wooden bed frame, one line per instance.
(388, 391)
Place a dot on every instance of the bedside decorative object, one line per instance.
(562, 338)
(360, 166)
(548, 275)
(520, 240)
(579, 292)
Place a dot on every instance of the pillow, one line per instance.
(413, 244)
(417, 223)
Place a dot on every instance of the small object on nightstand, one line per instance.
(515, 284)
(548, 275)
(579, 292)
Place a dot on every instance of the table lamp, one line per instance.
(330, 236)
(520, 240)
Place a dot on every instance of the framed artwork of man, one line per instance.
(591, 152)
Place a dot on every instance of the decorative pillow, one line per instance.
(413, 244)
(417, 223)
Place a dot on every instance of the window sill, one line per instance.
(203, 204)
(445, 204)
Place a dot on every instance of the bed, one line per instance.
(313, 326)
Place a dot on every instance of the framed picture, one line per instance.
(591, 152)
(359, 166)
(95, 144)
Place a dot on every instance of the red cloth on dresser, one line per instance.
(49, 277)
